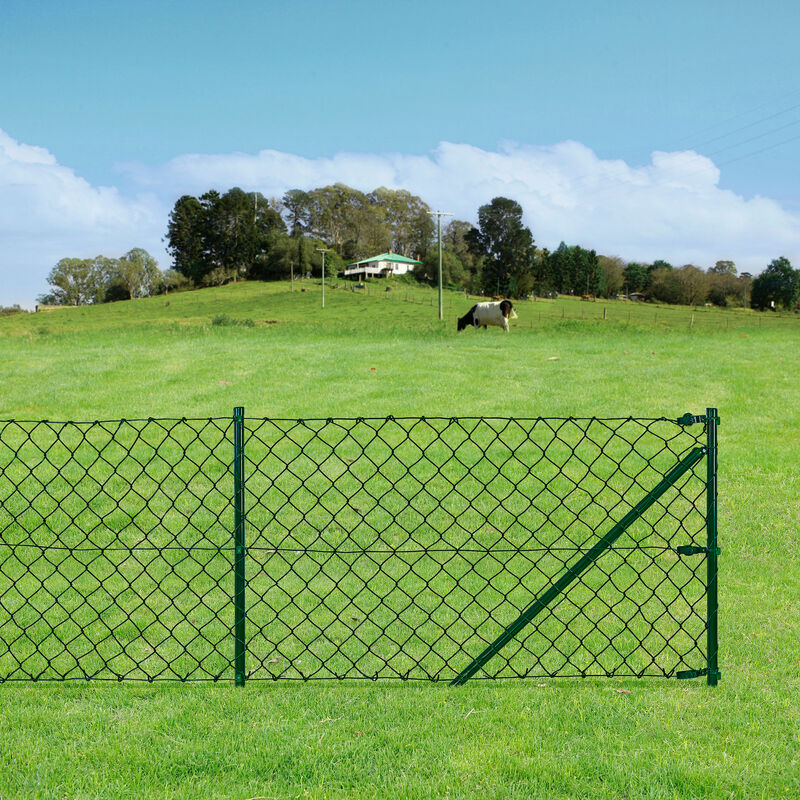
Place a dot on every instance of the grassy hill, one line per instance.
(277, 353)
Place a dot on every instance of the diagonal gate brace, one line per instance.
(574, 571)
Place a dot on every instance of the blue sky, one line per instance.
(561, 104)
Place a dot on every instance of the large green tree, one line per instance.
(456, 240)
(78, 281)
(663, 285)
(455, 237)
(453, 273)
(693, 284)
(408, 219)
(612, 267)
(726, 288)
(138, 273)
(723, 268)
(297, 211)
(506, 247)
(575, 270)
(186, 237)
(217, 238)
(778, 284)
(343, 217)
(635, 276)
(686, 285)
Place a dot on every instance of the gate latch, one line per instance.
(693, 550)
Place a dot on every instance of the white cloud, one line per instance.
(671, 208)
(48, 212)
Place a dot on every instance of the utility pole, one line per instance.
(439, 215)
(255, 218)
(323, 250)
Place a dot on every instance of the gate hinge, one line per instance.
(697, 673)
(693, 550)
(690, 419)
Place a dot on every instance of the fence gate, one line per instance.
(433, 548)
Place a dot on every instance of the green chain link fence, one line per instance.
(432, 548)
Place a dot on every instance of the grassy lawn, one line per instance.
(279, 355)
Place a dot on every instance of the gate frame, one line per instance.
(711, 551)
(573, 572)
(239, 556)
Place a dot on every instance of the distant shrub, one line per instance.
(7, 311)
(174, 281)
(224, 319)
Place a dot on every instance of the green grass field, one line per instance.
(279, 355)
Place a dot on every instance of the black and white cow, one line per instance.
(483, 314)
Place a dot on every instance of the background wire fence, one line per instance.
(376, 548)
(568, 308)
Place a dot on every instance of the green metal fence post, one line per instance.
(239, 547)
(712, 420)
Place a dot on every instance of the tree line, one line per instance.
(86, 281)
(778, 286)
(218, 237)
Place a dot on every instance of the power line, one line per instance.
(754, 138)
(762, 150)
(745, 127)
(691, 136)
(613, 182)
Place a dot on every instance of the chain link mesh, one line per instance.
(115, 549)
(376, 548)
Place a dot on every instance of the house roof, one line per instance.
(386, 257)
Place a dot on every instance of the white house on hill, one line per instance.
(383, 266)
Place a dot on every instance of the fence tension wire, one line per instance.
(574, 572)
